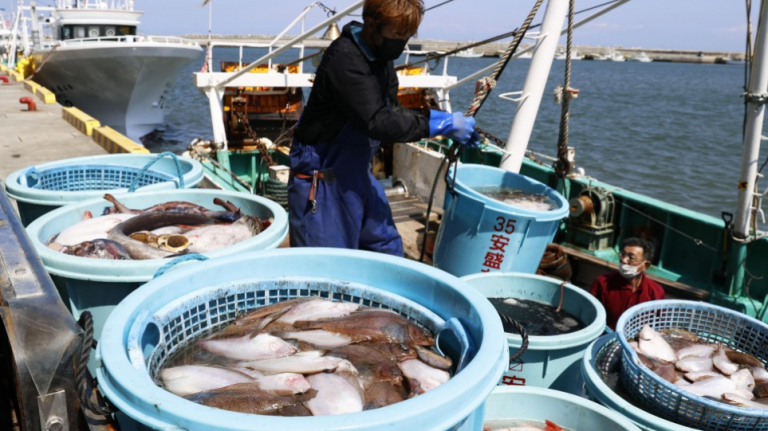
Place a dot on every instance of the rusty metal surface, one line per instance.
(41, 341)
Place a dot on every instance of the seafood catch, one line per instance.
(711, 370)
(157, 232)
(308, 356)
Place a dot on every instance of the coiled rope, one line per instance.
(488, 84)
(179, 171)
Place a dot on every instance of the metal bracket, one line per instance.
(508, 96)
(535, 35)
(53, 411)
(761, 98)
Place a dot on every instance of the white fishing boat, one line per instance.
(575, 55)
(615, 56)
(642, 57)
(468, 53)
(89, 53)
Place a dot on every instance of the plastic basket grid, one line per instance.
(713, 324)
(208, 309)
(95, 177)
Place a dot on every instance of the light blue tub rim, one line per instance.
(132, 271)
(564, 396)
(613, 401)
(542, 342)
(529, 185)
(115, 387)
(22, 193)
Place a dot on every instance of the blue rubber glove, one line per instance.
(454, 126)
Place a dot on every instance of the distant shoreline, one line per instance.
(492, 49)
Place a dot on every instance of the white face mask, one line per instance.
(628, 271)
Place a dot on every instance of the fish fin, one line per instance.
(269, 319)
(551, 426)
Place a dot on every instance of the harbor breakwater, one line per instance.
(495, 48)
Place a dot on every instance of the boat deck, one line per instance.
(29, 138)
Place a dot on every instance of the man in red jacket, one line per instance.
(629, 286)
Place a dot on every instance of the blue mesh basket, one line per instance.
(77, 178)
(713, 324)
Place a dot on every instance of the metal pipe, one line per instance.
(485, 70)
(533, 90)
(290, 44)
(755, 113)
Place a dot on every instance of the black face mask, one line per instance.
(390, 49)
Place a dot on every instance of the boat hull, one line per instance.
(123, 85)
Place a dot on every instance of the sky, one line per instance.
(706, 25)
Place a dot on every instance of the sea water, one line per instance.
(644, 127)
(518, 198)
(538, 318)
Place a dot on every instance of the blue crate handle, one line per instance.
(180, 184)
(467, 347)
(174, 262)
(30, 178)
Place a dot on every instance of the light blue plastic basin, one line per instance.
(480, 234)
(568, 411)
(174, 309)
(42, 188)
(550, 361)
(98, 285)
(597, 390)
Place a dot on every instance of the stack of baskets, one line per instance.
(712, 324)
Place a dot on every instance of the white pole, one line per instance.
(756, 99)
(541, 63)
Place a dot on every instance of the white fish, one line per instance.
(653, 345)
(168, 230)
(318, 309)
(90, 229)
(262, 346)
(318, 337)
(744, 380)
(760, 373)
(283, 382)
(714, 387)
(190, 379)
(701, 375)
(696, 350)
(682, 382)
(422, 377)
(694, 364)
(741, 401)
(722, 363)
(208, 238)
(294, 364)
(335, 395)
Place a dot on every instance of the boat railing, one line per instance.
(130, 39)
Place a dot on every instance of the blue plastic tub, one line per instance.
(173, 310)
(98, 285)
(713, 324)
(550, 361)
(568, 411)
(602, 351)
(481, 234)
(43, 188)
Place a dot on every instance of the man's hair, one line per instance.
(647, 246)
(405, 14)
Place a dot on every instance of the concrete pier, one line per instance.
(30, 138)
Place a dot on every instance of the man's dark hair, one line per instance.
(647, 246)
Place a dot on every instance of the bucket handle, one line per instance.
(30, 178)
(467, 347)
(179, 172)
(192, 256)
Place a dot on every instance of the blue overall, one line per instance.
(352, 210)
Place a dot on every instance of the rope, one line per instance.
(174, 262)
(488, 83)
(523, 334)
(101, 406)
(179, 171)
(277, 191)
(695, 240)
(563, 165)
